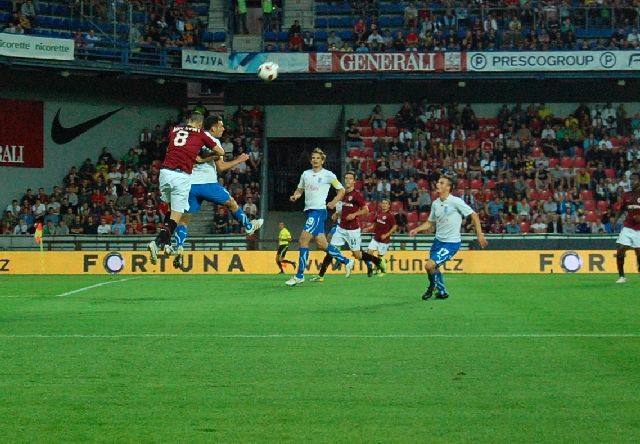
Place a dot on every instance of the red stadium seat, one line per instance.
(566, 162)
(367, 152)
(423, 184)
(434, 195)
(391, 122)
(591, 216)
(476, 184)
(589, 205)
(553, 162)
(412, 216)
(392, 131)
(461, 184)
(602, 205)
(364, 122)
(396, 205)
(368, 142)
(366, 131)
(534, 194)
(545, 194)
(610, 173)
(491, 184)
(525, 227)
(423, 216)
(537, 152)
(586, 195)
(354, 152)
(473, 144)
(579, 152)
(411, 225)
(379, 132)
(579, 162)
(533, 204)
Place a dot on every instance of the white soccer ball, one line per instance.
(268, 71)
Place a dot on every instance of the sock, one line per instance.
(325, 264)
(369, 258)
(302, 262)
(334, 252)
(164, 236)
(241, 216)
(181, 235)
(369, 265)
(432, 279)
(620, 264)
(439, 281)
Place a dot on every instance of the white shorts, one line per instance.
(349, 237)
(174, 189)
(629, 237)
(380, 247)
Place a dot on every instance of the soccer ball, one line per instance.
(268, 71)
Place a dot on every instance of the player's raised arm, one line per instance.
(222, 165)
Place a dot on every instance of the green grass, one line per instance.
(527, 358)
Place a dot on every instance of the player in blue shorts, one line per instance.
(205, 187)
(447, 213)
(315, 184)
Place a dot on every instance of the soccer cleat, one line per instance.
(442, 295)
(170, 250)
(153, 252)
(621, 280)
(348, 268)
(383, 265)
(317, 279)
(177, 261)
(294, 281)
(427, 294)
(256, 224)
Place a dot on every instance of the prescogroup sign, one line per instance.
(21, 133)
(34, 47)
(262, 262)
(553, 61)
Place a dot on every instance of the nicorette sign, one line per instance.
(553, 61)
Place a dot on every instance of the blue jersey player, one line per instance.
(447, 213)
(315, 184)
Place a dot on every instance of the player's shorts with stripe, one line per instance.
(441, 252)
(282, 251)
(380, 247)
(315, 221)
(352, 238)
(211, 192)
(174, 189)
(629, 237)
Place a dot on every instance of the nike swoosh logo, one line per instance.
(62, 135)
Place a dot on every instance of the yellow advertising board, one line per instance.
(263, 262)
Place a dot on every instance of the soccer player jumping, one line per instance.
(447, 213)
(315, 184)
(629, 237)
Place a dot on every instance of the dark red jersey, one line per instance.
(185, 143)
(351, 202)
(384, 223)
(631, 203)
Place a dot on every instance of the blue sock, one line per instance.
(335, 253)
(432, 280)
(369, 265)
(302, 262)
(241, 216)
(439, 280)
(181, 235)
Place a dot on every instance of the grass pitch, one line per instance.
(530, 358)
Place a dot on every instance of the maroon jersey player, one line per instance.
(383, 228)
(629, 237)
(183, 151)
(348, 230)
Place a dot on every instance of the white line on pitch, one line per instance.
(96, 286)
(329, 336)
